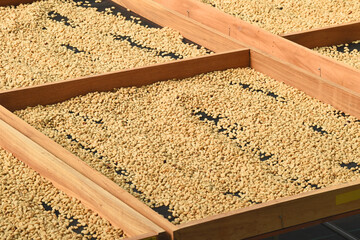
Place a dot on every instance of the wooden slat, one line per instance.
(15, 2)
(196, 32)
(305, 225)
(80, 166)
(74, 183)
(261, 40)
(149, 236)
(328, 36)
(270, 216)
(63, 90)
(324, 90)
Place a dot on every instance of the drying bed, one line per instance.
(281, 17)
(317, 76)
(33, 208)
(55, 40)
(222, 126)
(151, 141)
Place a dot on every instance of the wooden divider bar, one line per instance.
(273, 215)
(328, 36)
(15, 2)
(324, 90)
(63, 90)
(259, 39)
(149, 236)
(74, 183)
(304, 225)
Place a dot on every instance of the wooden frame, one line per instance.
(141, 222)
(324, 200)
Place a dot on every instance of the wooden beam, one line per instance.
(258, 39)
(15, 2)
(328, 36)
(76, 163)
(149, 236)
(274, 215)
(74, 183)
(324, 90)
(63, 90)
(305, 225)
(193, 30)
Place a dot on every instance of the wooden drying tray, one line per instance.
(315, 206)
(72, 175)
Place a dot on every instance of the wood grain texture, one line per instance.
(324, 90)
(193, 30)
(148, 236)
(258, 39)
(74, 183)
(15, 2)
(305, 225)
(327, 36)
(80, 166)
(270, 216)
(63, 90)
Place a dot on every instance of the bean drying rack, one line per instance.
(237, 44)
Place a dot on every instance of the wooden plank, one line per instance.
(324, 90)
(193, 30)
(149, 236)
(14, 2)
(63, 90)
(270, 216)
(80, 166)
(74, 183)
(258, 39)
(328, 36)
(305, 225)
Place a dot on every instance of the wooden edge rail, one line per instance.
(305, 225)
(274, 215)
(324, 90)
(63, 90)
(14, 2)
(148, 236)
(74, 183)
(259, 39)
(327, 36)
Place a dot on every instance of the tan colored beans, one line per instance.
(279, 16)
(35, 49)
(350, 57)
(207, 144)
(26, 202)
